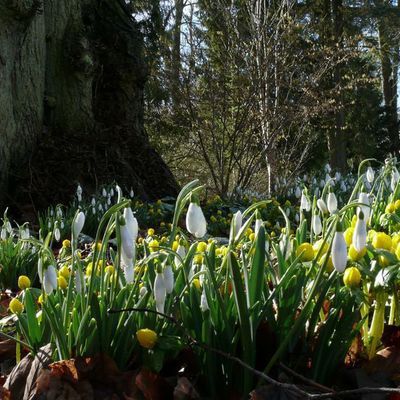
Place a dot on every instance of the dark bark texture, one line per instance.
(71, 102)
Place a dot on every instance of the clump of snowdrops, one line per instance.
(311, 290)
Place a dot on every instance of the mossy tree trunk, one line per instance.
(71, 101)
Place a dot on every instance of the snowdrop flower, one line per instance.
(317, 224)
(366, 210)
(181, 251)
(297, 217)
(3, 233)
(328, 168)
(93, 211)
(131, 222)
(370, 175)
(238, 219)
(112, 192)
(78, 224)
(131, 194)
(331, 203)
(168, 279)
(57, 234)
(339, 250)
(382, 278)
(127, 265)
(360, 233)
(104, 192)
(160, 292)
(195, 221)
(203, 302)
(93, 202)
(297, 193)
(50, 279)
(305, 202)
(338, 176)
(343, 186)
(322, 183)
(62, 224)
(322, 206)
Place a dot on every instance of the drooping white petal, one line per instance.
(331, 203)
(238, 221)
(317, 224)
(78, 224)
(203, 302)
(364, 199)
(160, 292)
(339, 252)
(360, 234)
(168, 279)
(195, 221)
(370, 175)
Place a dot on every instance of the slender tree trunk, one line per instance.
(71, 101)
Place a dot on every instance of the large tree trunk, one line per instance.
(71, 101)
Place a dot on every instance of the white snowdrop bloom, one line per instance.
(297, 192)
(370, 175)
(57, 234)
(322, 206)
(168, 279)
(100, 207)
(131, 222)
(51, 212)
(181, 251)
(360, 233)
(129, 273)
(49, 225)
(93, 211)
(343, 186)
(108, 200)
(382, 278)
(50, 279)
(203, 302)
(331, 203)
(328, 168)
(238, 220)
(297, 218)
(338, 176)
(317, 224)
(79, 190)
(93, 202)
(104, 192)
(339, 252)
(131, 194)
(78, 224)
(321, 183)
(112, 192)
(305, 203)
(195, 221)
(160, 292)
(287, 212)
(366, 210)
(62, 224)
(3, 233)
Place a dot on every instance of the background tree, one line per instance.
(71, 101)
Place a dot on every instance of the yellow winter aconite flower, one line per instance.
(202, 246)
(40, 299)
(348, 235)
(198, 259)
(196, 283)
(175, 245)
(249, 231)
(62, 282)
(383, 261)
(96, 246)
(213, 219)
(64, 271)
(306, 252)
(370, 235)
(24, 282)
(150, 232)
(154, 245)
(147, 338)
(16, 307)
(329, 263)
(397, 204)
(352, 277)
(252, 237)
(395, 240)
(382, 241)
(390, 208)
(109, 269)
(66, 244)
(354, 255)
